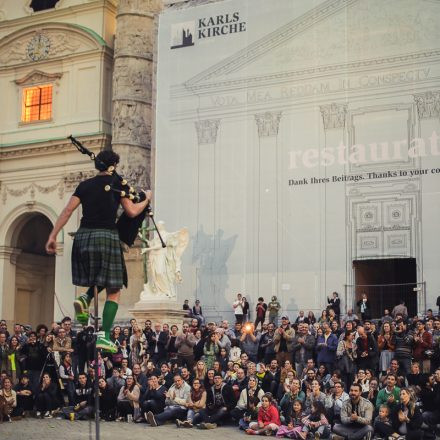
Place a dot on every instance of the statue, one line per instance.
(164, 264)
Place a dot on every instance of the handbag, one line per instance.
(344, 364)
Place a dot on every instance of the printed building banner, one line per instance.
(298, 142)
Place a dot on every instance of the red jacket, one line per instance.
(270, 415)
(420, 346)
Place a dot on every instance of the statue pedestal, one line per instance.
(158, 309)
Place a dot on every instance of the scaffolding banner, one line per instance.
(298, 142)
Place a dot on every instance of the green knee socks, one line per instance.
(108, 316)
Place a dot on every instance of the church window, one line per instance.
(41, 5)
(37, 103)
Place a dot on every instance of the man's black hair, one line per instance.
(105, 159)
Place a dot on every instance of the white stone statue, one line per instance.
(164, 264)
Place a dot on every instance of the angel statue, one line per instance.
(164, 263)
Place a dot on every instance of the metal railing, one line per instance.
(386, 296)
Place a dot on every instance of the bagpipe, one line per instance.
(128, 227)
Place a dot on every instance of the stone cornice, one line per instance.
(52, 147)
(37, 76)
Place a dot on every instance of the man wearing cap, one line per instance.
(283, 340)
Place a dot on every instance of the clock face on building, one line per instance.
(38, 47)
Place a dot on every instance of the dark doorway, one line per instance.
(386, 281)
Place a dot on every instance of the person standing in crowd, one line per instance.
(267, 344)
(404, 346)
(422, 345)
(386, 342)
(364, 307)
(334, 303)
(400, 309)
(238, 305)
(274, 308)
(185, 343)
(246, 310)
(283, 340)
(260, 312)
(303, 344)
(326, 346)
(366, 349)
(157, 344)
(197, 312)
(346, 354)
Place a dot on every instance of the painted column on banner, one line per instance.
(267, 201)
(204, 250)
(333, 212)
(428, 111)
(132, 88)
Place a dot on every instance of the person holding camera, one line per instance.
(249, 343)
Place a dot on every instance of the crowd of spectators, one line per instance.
(344, 376)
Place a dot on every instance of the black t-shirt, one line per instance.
(99, 206)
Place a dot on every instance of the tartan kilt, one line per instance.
(97, 259)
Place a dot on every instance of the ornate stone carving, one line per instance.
(133, 87)
(207, 130)
(131, 81)
(268, 123)
(428, 104)
(31, 188)
(333, 115)
(131, 124)
(37, 77)
(62, 42)
(134, 40)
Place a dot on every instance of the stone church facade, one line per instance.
(83, 68)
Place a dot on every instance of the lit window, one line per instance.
(37, 103)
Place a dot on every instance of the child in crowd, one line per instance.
(268, 418)
(294, 425)
(316, 422)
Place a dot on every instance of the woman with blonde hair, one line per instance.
(200, 370)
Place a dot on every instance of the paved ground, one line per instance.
(53, 429)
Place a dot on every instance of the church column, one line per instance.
(8, 261)
(207, 131)
(267, 210)
(428, 112)
(333, 223)
(132, 88)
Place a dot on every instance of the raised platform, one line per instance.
(159, 310)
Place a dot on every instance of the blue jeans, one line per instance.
(170, 413)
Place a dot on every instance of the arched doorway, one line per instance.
(35, 272)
